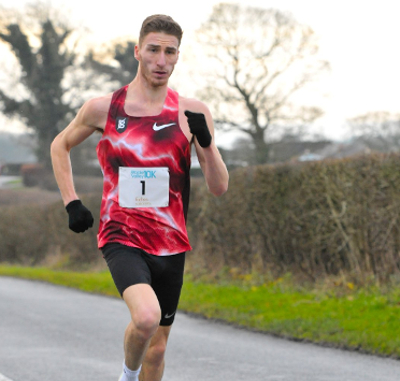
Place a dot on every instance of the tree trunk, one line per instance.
(261, 147)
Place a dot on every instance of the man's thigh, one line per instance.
(142, 303)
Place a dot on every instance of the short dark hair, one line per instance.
(160, 23)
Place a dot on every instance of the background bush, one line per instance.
(313, 220)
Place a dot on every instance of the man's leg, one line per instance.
(145, 314)
(153, 364)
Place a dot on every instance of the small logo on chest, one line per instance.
(121, 123)
(162, 126)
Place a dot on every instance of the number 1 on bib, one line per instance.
(143, 187)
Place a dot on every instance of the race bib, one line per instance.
(143, 187)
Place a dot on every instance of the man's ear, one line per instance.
(137, 48)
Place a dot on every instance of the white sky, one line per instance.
(359, 38)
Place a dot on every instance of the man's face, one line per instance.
(157, 55)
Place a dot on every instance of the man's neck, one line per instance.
(139, 90)
(143, 99)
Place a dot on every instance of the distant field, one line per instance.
(22, 196)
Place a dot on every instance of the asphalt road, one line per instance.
(55, 333)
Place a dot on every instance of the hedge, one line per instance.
(311, 219)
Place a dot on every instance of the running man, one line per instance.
(144, 152)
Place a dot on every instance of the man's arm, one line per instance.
(91, 117)
(201, 125)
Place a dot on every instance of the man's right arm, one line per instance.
(91, 117)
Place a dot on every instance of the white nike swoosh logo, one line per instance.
(158, 128)
(166, 315)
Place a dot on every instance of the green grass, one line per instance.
(99, 283)
(15, 183)
(364, 319)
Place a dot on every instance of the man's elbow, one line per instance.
(54, 146)
(57, 146)
(220, 189)
(61, 141)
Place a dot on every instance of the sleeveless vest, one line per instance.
(146, 167)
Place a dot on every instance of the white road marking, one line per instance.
(4, 378)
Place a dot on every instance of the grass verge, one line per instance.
(360, 319)
(99, 283)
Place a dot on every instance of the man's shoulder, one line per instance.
(95, 111)
(99, 104)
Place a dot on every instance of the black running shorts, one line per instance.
(131, 265)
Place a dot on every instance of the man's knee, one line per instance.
(144, 308)
(146, 322)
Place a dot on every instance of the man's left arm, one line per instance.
(214, 169)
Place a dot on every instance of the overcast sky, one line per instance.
(359, 38)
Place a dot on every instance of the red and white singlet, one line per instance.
(146, 164)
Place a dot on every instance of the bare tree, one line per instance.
(259, 60)
(54, 73)
(242, 153)
(116, 59)
(41, 57)
(379, 130)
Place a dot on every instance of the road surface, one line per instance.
(50, 333)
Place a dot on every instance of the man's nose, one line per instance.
(161, 59)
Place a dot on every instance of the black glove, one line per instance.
(198, 127)
(80, 218)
